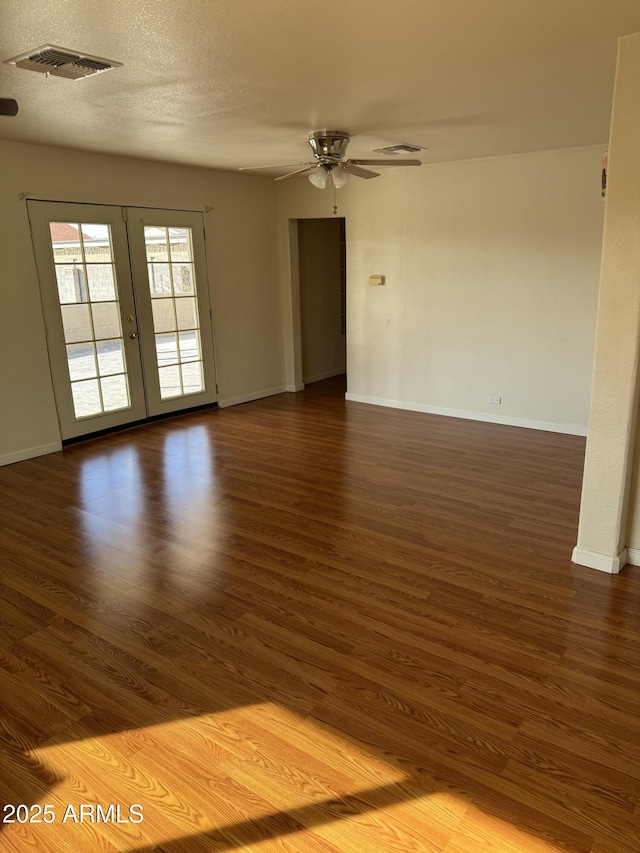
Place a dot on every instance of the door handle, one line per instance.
(133, 335)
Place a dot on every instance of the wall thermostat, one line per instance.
(376, 280)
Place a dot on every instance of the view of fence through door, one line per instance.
(125, 304)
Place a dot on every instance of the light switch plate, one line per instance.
(376, 280)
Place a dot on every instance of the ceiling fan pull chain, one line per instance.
(335, 201)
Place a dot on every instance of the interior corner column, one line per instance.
(610, 444)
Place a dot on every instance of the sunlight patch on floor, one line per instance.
(257, 777)
(195, 775)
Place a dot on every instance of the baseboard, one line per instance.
(633, 556)
(30, 453)
(326, 375)
(526, 423)
(255, 395)
(601, 562)
(299, 387)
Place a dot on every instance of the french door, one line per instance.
(126, 309)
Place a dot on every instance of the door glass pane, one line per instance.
(166, 350)
(76, 322)
(172, 285)
(170, 385)
(106, 320)
(71, 285)
(110, 357)
(189, 345)
(114, 393)
(102, 287)
(66, 243)
(192, 377)
(155, 239)
(82, 361)
(164, 315)
(90, 309)
(180, 243)
(86, 398)
(97, 244)
(187, 313)
(183, 279)
(159, 279)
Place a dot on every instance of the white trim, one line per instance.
(337, 371)
(633, 556)
(255, 395)
(30, 453)
(601, 562)
(526, 423)
(299, 387)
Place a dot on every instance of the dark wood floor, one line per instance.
(308, 625)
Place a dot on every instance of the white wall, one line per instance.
(603, 532)
(492, 276)
(242, 260)
(323, 341)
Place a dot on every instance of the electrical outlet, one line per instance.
(495, 400)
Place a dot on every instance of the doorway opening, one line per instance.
(322, 277)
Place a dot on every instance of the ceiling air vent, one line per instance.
(60, 62)
(403, 148)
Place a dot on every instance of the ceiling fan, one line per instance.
(329, 148)
(8, 107)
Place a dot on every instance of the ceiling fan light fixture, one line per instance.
(319, 177)
(339, 176)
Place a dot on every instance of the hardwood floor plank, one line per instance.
(587, 776)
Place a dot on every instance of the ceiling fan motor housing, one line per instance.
(329, 143)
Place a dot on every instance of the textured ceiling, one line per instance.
(229, 83)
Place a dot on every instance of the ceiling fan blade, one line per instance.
(388, 162)
(306, 171)
(8, 107)
(281, 166)
(352, 169)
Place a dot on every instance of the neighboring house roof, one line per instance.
(62, 232)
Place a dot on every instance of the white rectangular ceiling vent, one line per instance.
(60, 62)
(403, 148)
